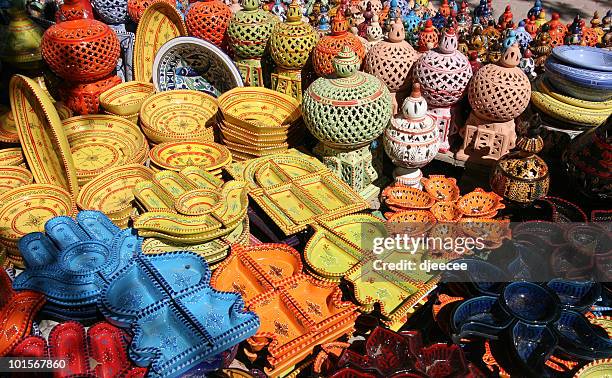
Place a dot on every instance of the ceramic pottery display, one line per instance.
(17, 311)
(126, 98)
(177, 318)
(209, 20)
(20, 43)
(498, 93)
(190, 207)
(341, 249)
(71, 261)
(194, 64)
(258, 121)
(330, 45)
(587, 164)
(391, 61)
(102, 342)
(175, 156)
(295, 309)
(83, 50)
(112, 12)
(428, 37)
(290, 45)
(411, 140)
(295, 190)
(137, 8)
(345, 114)
(160, 23)
(444, 74)
(248, 33)
(84, 98)
(111, 192)
(42, 137)
(178, 115)
(522, 176)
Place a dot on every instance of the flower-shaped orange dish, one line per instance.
(480, 204)
(441, 188)
(446, 211)
(400, 197)
(411, 222)
(297, 312)
(491, 231)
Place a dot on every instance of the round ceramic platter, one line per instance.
(596, 369)
(14, 177)
(178, 155)
(179, 114)
(259, 110)
(42, 137)
(204, 58)
(8, 129)
(126, 98)
(544, 87)
(568, 113)
(11, 156)
(111, 191)
(581, 76)
(159, 23)
(26, 209)
(105, 123)
(583, 56)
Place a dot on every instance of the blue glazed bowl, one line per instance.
(581, 76)
(591, 58)
(532, 344)
(480, 316)
(570, 88)
(579, 338)
(530, 303)
(576, 295)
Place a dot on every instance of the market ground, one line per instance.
(566, 8)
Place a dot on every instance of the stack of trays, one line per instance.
(175, 156)
(576, 88)
(124, 100)
(256, 121)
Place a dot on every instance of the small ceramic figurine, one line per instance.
(522, 36)
(428, 37)
(438, 21)
(483, 12)
(535, 10)
(531, 27)
(596, 26)
(541, 49)
(374, 34)
(574, 32)
(445, 9)
(527, 64)
(505, 18)
(368, 14)
(411, 140)
(541, 19)
(474, 61)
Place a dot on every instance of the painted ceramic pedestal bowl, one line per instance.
(126, 99)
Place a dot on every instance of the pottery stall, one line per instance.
(305, 188)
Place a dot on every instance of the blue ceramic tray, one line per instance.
(177, 318)
(591, 58)
(573, 89)
(72, 261)
(581, 76)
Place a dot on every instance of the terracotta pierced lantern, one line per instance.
(209, 20)
(330, 45)
(411, 140)
(392, 59)
(81, 50)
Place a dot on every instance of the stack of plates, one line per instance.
(256, 121)
(174, 156)
(577, 86)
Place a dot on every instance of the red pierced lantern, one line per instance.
(81, 50)
(85, 98)
(137, 7)
(208, 20)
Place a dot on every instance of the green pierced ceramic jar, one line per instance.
(350, 110)
(250, 29)
(292, 41)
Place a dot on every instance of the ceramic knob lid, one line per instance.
(346, 63)
(397, 34)
(250, 5)
(339, 24)
(449, 43)
(512, 56)
(415, 106)
(293, 14)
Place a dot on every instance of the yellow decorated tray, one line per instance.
(257, 151)
(8, 128)
(11, 156)
(159, 23)
(14, 177)
(42, 137)
(596, 105)
(179, 115)
(27, 208)
(126, 98)
(112, 191)
(178, 155)
(258, 109)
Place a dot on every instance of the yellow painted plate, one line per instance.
(178, 155)
(111, 191)
(8, 128)
(568, 113)
(14, 177)
(11, 157)
(27, 208)
(159, 23)
(545, 88)
(42, 137)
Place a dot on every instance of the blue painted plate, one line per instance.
(589, 78)
(591, 58)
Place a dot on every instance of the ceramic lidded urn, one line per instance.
(136, 8)
(330, 45)
(411, 140)
(81, 50)
(374, 35)
(391, 60)
(208, 20)
(522, 176)
(21, 41)
(291, 43)
(248, 33)
(428, 37)
(346, 114)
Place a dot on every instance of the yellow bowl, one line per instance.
(568, 113)
(126, 98)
